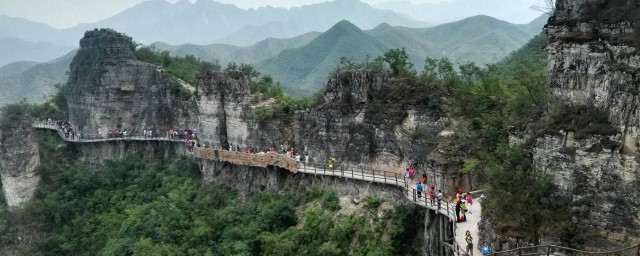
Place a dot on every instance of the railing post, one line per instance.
(395, 175)
(341, 172)
(384, 173)
(414, 195)
(374, 174)
(362, 172)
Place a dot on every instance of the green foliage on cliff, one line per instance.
(184, 67)
(135, 206)
(283, 107)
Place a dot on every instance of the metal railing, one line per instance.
(550, 250)
(107, 137)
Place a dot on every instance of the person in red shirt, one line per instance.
(432, 195)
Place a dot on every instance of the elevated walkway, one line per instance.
(445, 208)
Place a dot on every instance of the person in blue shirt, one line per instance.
(420, 189)
(486, 249)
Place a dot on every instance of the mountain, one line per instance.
(32, 81)
(207, 21)
(14, 49)
(309, 65)
(514, 11)
(479, 39)
(225, 53)
(19, 28)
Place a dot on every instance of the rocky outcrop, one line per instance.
(594, 66)
(224, 108)
(109, 89)
(362, 121)
(19, 158)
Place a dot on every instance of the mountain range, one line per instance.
(33, 81)
(207, 21)
(514, 11)
(303, 63)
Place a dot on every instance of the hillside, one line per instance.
(308, 66)
(515, 11)
(225, 53)
(14, 49)
(479, 39)
(32, 81)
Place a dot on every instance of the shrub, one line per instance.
(372, 202)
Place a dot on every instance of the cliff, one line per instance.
(19, 156)
(365, 119)
(589, 138)
(109, 89)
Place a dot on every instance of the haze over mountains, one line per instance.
(287, 44)
(514, 11)
(303, 63)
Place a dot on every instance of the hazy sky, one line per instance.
(68, 13)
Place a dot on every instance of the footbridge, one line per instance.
(453, 242)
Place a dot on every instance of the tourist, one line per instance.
(439, 196)
(306, 158)
(298, 157)
(432, 195)
(412, 172)
(469, 201)
(486, 248)
(458, 207)
(423, 180)
(407, 176)
(419, 189)
(464, 208)
(469, 239)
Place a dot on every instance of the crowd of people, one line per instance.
(64, 127)
(463, 201)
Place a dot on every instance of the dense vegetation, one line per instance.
(136, 206)
(485, 105)
(181, 67)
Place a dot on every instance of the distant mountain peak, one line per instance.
(383, 26)
(344, 26)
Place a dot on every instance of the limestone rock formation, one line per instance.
(363, 120)
(19, 158)
(594, 67)
(224, 107)
(109, 89)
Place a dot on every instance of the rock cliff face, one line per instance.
(594, 66)
(224, 107)
(360, 122)
(109, 89)
(18, 161)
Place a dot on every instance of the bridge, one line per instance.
(456, 243)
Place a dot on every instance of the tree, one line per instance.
(398, 61)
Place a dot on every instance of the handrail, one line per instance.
(548, 250)
(105, 137)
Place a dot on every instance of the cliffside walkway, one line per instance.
(446, 208)
(385, 177)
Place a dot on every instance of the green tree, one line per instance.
(398, 61)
